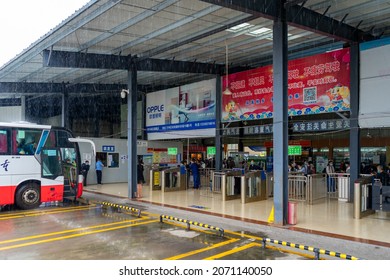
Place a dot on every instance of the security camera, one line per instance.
(124, 93)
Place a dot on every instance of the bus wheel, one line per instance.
(28, 196)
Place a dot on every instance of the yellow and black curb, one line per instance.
(189, 223)
(316, 251)
(121, 207)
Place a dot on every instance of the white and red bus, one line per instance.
(38, 163)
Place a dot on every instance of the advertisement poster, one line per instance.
(181, 111)
(316, 84)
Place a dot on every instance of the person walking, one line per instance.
(99, 171)
(84, 170)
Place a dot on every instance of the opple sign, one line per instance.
(155, 111)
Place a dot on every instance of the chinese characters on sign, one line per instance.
(316, 84)
(321, 125)
(108, 148)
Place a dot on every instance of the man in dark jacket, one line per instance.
(84, 170)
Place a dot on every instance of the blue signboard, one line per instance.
(108, 148)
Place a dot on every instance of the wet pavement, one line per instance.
(85, 232)
(97, 231)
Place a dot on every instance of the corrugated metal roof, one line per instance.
(187, 30)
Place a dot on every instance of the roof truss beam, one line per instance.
(298, 16)
(24, 88)
(116, 62)
(32, 88)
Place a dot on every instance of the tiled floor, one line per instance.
(331, 217)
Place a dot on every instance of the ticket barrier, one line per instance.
(362, 202)
(249, 187)
(254, 187)
(231, 184)
(380, 196)
(172, 180)
(156, 178)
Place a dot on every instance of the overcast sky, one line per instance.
(23, 22)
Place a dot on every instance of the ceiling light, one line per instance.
(227, 91)
(259, 31)
(239, 27)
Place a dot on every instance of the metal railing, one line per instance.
(317, 188)
(218, 181)
(309, 189)
(297, 187)
(337, 185)
(205, 175)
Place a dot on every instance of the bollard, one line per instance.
(357, 201)
(292, 213)
(316, 253)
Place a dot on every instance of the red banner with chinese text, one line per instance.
(316, 84)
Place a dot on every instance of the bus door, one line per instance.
(70, 170)
(52, 187)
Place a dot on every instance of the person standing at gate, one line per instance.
(84, 170)
(183, 171)
(99, 171)
(330, 180)
(195, 173)
(381, 175)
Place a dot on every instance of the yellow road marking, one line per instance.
(32, 214)
(151, 214)
(253, 244)
(39, 210)
(67, 231)
(232, 251)
(244, 235)
(309, 256)
(181, 256)
(73, 235)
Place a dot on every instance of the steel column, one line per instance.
(354, 136)
(132, 130)
(280, 119)
(218, 117)
(143, 116)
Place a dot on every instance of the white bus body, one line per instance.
(38, 163)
